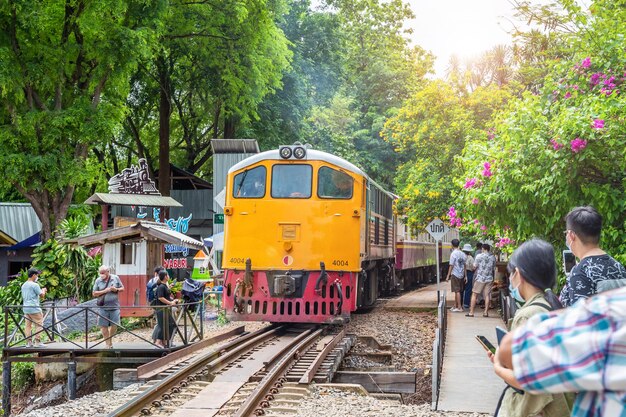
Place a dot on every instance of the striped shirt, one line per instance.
(581, 349)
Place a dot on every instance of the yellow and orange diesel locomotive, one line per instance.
(308, 237)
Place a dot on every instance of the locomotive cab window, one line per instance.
(250, 183)
(292, 181)
(332, 183)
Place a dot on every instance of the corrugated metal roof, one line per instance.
(19, 220)
(133, 200)
(234, 146)
(142, 229)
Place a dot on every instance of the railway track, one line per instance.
(259, 373)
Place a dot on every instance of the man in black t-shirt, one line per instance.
(597, 271)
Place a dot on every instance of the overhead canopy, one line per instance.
(133, 200)
(142, 230)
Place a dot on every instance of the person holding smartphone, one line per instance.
(532, 274)
(596, 271)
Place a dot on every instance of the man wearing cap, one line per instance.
(31, 293)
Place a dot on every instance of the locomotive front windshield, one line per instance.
(292, 181)
(250, 183)
(332, 183)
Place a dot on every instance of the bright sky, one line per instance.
(462, 27)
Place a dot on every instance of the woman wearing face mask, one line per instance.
(532, 274)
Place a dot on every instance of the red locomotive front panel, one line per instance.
(290, 296)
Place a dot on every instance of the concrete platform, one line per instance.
(468, 382)
(425, 297)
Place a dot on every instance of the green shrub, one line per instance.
(221, 318)
(22, 375)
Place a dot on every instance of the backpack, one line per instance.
(151, 288)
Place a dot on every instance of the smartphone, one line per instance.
(486, 343)
(500, 332)
(569, 261)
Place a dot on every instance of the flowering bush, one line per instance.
(580, 106)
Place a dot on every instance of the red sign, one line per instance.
(175, 263)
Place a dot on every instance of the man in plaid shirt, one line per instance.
(581, 349)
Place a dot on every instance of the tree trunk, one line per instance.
(229, 127)
(165, 110)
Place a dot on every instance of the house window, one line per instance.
(126, 255)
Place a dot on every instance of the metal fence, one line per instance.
(439, 346)
(188, 325)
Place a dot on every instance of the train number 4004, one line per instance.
(340, 263)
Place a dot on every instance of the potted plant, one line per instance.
(176, 289)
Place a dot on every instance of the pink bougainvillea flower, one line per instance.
(595, 78)
(487, 165)
(575, 87)
(568, 94)
(469, 183)
(598, 124)
(475, 201)
(476, 221)
(555, 145)
(578, 145)
(487, 173)
(586, 63)
(483, 227)
(452, 212)
(606, 91)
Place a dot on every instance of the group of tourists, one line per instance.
(471, 277)
(106, 289)
(565, 355)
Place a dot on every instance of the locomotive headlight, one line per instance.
(299, 152)
(285, 152)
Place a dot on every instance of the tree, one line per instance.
(560, 148)
(431, 127)
(65, 68)
(216, 63)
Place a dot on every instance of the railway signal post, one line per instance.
(437, 229)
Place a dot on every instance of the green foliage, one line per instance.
(11, 294)
(432, 127)
(64, 71)
(22, 375)
(222, 319)
(77, 262)
(561, 148)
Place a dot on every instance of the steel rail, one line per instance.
(315, 365)
(265, 385)
(137, 404)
